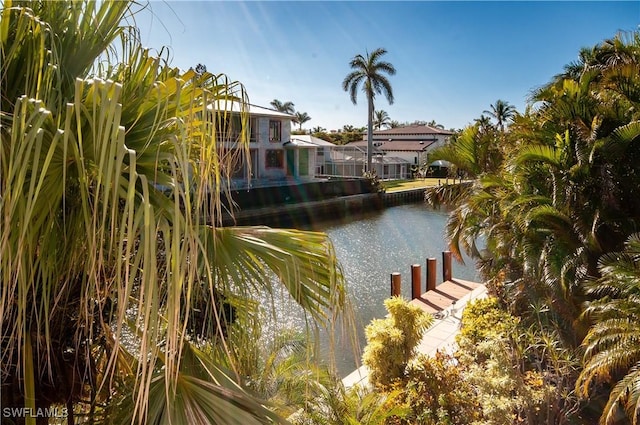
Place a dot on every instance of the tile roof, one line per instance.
(405, 145)
(412, 130)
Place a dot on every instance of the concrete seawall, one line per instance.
(307, 212)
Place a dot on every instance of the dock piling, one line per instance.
(416, 279)
(446, 266)
(431, 273)
(395, 284)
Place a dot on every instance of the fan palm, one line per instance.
(112, 260)
(368, 72)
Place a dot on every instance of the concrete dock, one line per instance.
(446, 303)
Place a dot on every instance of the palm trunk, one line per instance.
(370, 132)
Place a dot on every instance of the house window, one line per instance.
(274, 158)
(254, 129)
(275, 131)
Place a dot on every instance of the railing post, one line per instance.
(415, 281)
(446, 266)
(395, 284)
(432, 265)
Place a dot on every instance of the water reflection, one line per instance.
(372, 246)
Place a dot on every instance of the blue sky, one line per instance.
(453, 59)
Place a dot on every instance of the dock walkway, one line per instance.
(446, 303)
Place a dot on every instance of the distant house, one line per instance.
(351, 160)
(411, 143)
(323, 150)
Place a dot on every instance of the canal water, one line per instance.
(372, 246)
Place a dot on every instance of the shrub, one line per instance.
(437, 392)
(375, 185)
(484, 319)
(391, 342)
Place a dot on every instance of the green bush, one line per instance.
(482, 319)
(391, 342)
(375, 185)
(437, 392)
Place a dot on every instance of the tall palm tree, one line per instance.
(286, 107)
(301, 118)
(381, 119)
(112, 259)
(368, 73)
(502, 112)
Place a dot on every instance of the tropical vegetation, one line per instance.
(551, 218)
(122, 298)
(301, 118)
(368, 74)
(392, 341)
(286, 107)
(381, 119)
(502, 112)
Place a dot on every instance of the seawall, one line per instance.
(314, 211)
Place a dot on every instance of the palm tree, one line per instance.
(368, 72)
(612, 354)
(337, 405)
(559, 202)
(318, 129)
(286, 107)
(112, 259)
(348, 128)
(502, 112)
(484, 122)
(381, 118)
(301, 118)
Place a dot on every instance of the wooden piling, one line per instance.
(446, 266)
(395, 284)
(416, 280)
(432, 265)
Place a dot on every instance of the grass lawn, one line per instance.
(397, 185)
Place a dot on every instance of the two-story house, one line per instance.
(274, 158)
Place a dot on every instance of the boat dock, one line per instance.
(446, 302)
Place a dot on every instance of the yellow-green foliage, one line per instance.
(506, 388)
(484, 319)
(437, 392)
(391, 342)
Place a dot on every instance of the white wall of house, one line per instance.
(271, 156)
